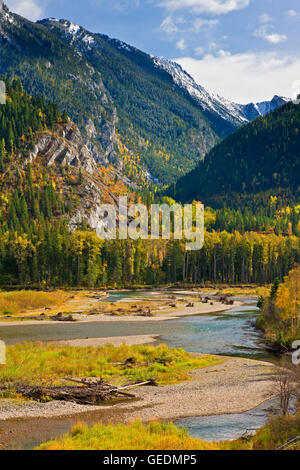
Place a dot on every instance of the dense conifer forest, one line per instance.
(37, 247)
(261, 156)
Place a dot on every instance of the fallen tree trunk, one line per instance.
(80, 395)
(139, 384)
(86, 393)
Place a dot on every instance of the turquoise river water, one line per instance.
(230, 334)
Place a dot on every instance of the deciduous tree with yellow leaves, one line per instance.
(288, 300)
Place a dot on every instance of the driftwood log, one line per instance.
(85, 393)
(60, 317)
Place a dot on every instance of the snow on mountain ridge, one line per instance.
(236, 114)
(78, 32)
(209, 101)
(71, 29)
(233, 112)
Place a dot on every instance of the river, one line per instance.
(230, 334)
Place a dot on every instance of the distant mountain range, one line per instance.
(141, 114)
(236, 113)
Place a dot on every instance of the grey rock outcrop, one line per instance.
(65, 147)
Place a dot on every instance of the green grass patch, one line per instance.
(39, 363)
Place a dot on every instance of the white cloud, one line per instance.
(31, 9)
(215, 7)
(181, 45)
(265, 18)
(180, 26)
(293, 14)
(168, 26)
(172, 25)
(273, 38)
(245, 77)
(200, 24)
(223, 53)
(118, 6)
(296, 87)
(212, 46)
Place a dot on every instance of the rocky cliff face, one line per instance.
(65, 149)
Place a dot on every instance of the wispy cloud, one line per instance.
(31, 9)
(275, 38)
(215, 7)
(265, 32)
(200, 24)
(169, 26)
(118, 6)
(175, 26)
(265, 18)
(293, 14)
(199, 51)
(181, 45)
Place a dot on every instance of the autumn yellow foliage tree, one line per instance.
(288, 299)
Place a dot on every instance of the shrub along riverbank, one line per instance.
(135, 436)
(162, 436)
(280, 312)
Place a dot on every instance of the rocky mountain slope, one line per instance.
(134, 113)
(159, 123)
(65, 148)
(238, 114)
(46, 66)
(47, 170)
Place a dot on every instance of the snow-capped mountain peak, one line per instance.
(232, 112)
(71, 30)
(208, 101)
(78, 33)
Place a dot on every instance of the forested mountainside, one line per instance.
(112, 94)
(50, 181)
(55, 172)
(51, 189)
(132, 112)
(157, 120)
(263, 156)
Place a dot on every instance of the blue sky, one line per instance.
(244, 50)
